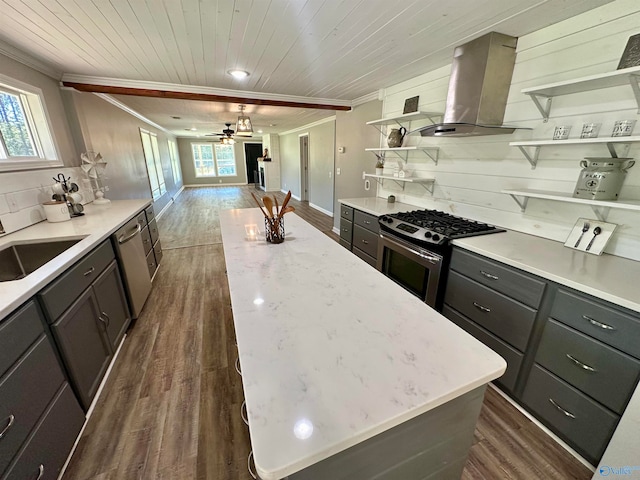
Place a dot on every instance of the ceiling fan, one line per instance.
(227, 135)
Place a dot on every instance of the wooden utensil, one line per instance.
(268, 203)
(275, 199)
(287, 210)
(259, 205)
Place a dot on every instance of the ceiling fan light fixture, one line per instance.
(227, 141)
(238, 74)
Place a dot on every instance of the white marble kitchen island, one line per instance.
(333, 354)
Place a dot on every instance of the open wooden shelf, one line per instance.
(407, 117)
(426, 182)
(403, 152)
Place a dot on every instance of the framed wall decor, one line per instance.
(631, 55)
(411, 105)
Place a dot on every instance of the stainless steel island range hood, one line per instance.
(478, 88)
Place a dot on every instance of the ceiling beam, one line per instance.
(206, 97)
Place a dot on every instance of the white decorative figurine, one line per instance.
(94, 165)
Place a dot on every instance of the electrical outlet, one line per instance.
(330, 173)
(367, 184)
(338, 171)
(363, 175)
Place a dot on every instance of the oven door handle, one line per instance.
(430, 258)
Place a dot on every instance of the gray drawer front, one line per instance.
(151, 264)
(594, 318)
(150, 213)
(345, 244)
(510, 354)
(509, 320)
(370, 222)
(153, 231)
(157, 251)
(615, 376)
(365, 240)
(142, 219)
(499, 277)
(16, 334)
(146, 240)
(25, 393)
(52, 440)
(346, 212)
(367, 258)
(346, 230)
(59, 294)
(590, 430)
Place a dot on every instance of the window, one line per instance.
(175, 162)
(154, 164)
(25, 137)
(213, 159)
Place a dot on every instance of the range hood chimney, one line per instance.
(478, 88)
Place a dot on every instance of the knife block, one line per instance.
(274, 229)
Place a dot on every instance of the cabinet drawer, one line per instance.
(345, 244)
(59, 294)
(586, 425)
(346, 230)
(370, 222)
(146, 240)
(16, 334)
(142, 219)
(151, 263)
(346, 212)
(510, 354)
(365, 240)
(501, 278)
(150, 213)
(599, 320)
(367, 258)
(509, 320)
(600, 371)
(153, 231)
(157, 251)
(49, 445)
(24, 395)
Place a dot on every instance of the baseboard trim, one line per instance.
(320, 209)
(336, 230)
(197, 185)
(166, 207)
(296, 197)
(179, 192)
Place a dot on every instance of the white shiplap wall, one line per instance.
(471, 172)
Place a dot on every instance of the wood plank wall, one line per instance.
(472, 172)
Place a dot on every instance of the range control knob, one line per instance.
(435, 238)
(427, 234)
(388, 219)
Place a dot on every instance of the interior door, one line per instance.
(304, 167)
(251, 153)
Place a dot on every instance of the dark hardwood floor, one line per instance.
(171, 407)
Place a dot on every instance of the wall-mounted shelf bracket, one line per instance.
(635, 86)
(521, 201)
(601, 213)
(432, 153)
(624, 149)
(533, 159)
(545, 109)
(427, 183)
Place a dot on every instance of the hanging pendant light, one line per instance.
(243, 125)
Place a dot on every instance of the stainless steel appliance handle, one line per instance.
(430, 258)
(12, 418)
(584, 366)
(125, 239)
(604, 326)
(40, 472)
(568, 414)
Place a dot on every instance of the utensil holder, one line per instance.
(274, 229)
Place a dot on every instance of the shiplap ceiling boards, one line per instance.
(332, 49)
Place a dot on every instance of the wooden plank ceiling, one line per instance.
(332, 49)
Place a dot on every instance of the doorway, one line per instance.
(304, 167)
(251, 153)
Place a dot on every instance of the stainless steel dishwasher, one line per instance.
(133, 264)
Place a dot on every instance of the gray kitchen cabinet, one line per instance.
(146, 239)
(365, 237)
(30, 382)
(80, 335)
(151, 240)
(346, 226)
(112, 304)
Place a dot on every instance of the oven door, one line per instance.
(412, 267)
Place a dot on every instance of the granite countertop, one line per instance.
(98, 223)
(377, 206)
(333, 353)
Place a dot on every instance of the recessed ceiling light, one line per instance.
(259, 131)
(175, 117)
(193, 129)
(239, 74)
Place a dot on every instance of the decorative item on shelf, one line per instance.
(379, 164)
(265, 155)
(401, 172)
(93, 165)
(561, 132)
(396, 137)
(590, 130)
(64, 191)
(391, 199)
(411, 105)
(623, 128)
(601, 178)
(590, 236)
(631, 55)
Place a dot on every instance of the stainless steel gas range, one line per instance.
(414, 249)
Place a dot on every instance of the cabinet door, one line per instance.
(112, 304)
(85, 348)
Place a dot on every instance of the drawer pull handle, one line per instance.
(243, 409)
(253, 475)
(489, 275)
(106, 315)
(481, 307)
(238, 366)
(365, 242)
(40, 472)
(367, 222)
(12, 419)
(90, 271)
(568, 414)
(604, 326)
(580, 364)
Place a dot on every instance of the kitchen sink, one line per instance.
(20, 259)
